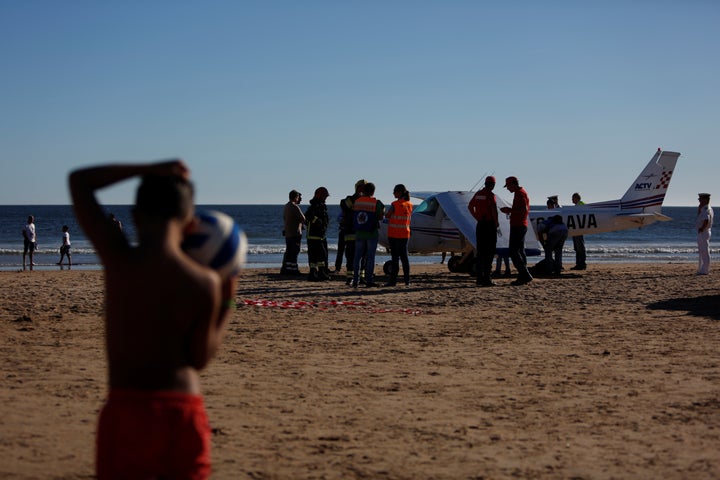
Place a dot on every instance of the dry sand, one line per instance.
(609, 373)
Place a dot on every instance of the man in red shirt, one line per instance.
(483, 207)
(518, 229)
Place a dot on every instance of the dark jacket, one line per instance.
(317, 219)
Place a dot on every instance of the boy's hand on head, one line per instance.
(174, 168)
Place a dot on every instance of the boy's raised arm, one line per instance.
(90, 215)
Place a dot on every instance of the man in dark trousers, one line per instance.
(579, 241)
(317, 223)
(519, 214)
(483, 206)
(348, 228)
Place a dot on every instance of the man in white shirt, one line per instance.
(703, 225)
(29, 240)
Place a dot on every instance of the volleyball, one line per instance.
(216, 241)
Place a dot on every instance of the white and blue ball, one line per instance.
(216, 241)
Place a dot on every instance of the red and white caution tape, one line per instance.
(301, 304)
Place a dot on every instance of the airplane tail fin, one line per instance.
(649, 188)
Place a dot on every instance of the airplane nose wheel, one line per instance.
(455, 264)
(387, 268)
(462, 264)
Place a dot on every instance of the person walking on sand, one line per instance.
(65, 247)
(483, 207)
(398, 216)
(293, 221)
(29, 241)
(518, 229)
(165, 317)
(703, 225)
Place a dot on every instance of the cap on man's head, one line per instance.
(704, 195)
(511, 181)
(360, 183)
(322, 192)
(489, 179)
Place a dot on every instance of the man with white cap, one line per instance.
(703, 225)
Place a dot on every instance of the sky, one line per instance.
(262, 97)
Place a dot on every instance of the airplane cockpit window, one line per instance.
(427, 207)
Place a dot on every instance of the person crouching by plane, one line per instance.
(367, 212)
(398, 216)
(293, 220)
(483, 207)
(519, 214)
(317, 223)
(553, 232)
(703, 224)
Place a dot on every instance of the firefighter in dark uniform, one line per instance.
(317, 220)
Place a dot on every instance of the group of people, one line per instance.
(552, 233)
(316, 220)
(483, 207)
(30, 241)
(359, 227)
(30, 244)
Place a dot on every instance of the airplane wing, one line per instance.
(454, 204)
(639, 219)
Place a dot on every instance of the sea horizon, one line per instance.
(672, 241)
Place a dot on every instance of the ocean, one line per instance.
(672, 241)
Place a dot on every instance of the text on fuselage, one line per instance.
(576, 221)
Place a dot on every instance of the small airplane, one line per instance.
(442, 222)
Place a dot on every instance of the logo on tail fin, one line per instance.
(664, 179)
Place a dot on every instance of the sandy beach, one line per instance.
(613, 372)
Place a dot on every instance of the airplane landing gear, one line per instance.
(463, 264)
(387, 267)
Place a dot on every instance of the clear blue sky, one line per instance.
(265, 96)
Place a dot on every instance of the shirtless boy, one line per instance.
(165, 317)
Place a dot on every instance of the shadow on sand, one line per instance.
(705, 306)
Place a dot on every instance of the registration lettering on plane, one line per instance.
(582, 221)
(586, 220)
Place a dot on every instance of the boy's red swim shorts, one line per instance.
(153, 434)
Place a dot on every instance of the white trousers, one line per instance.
(703, 240)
